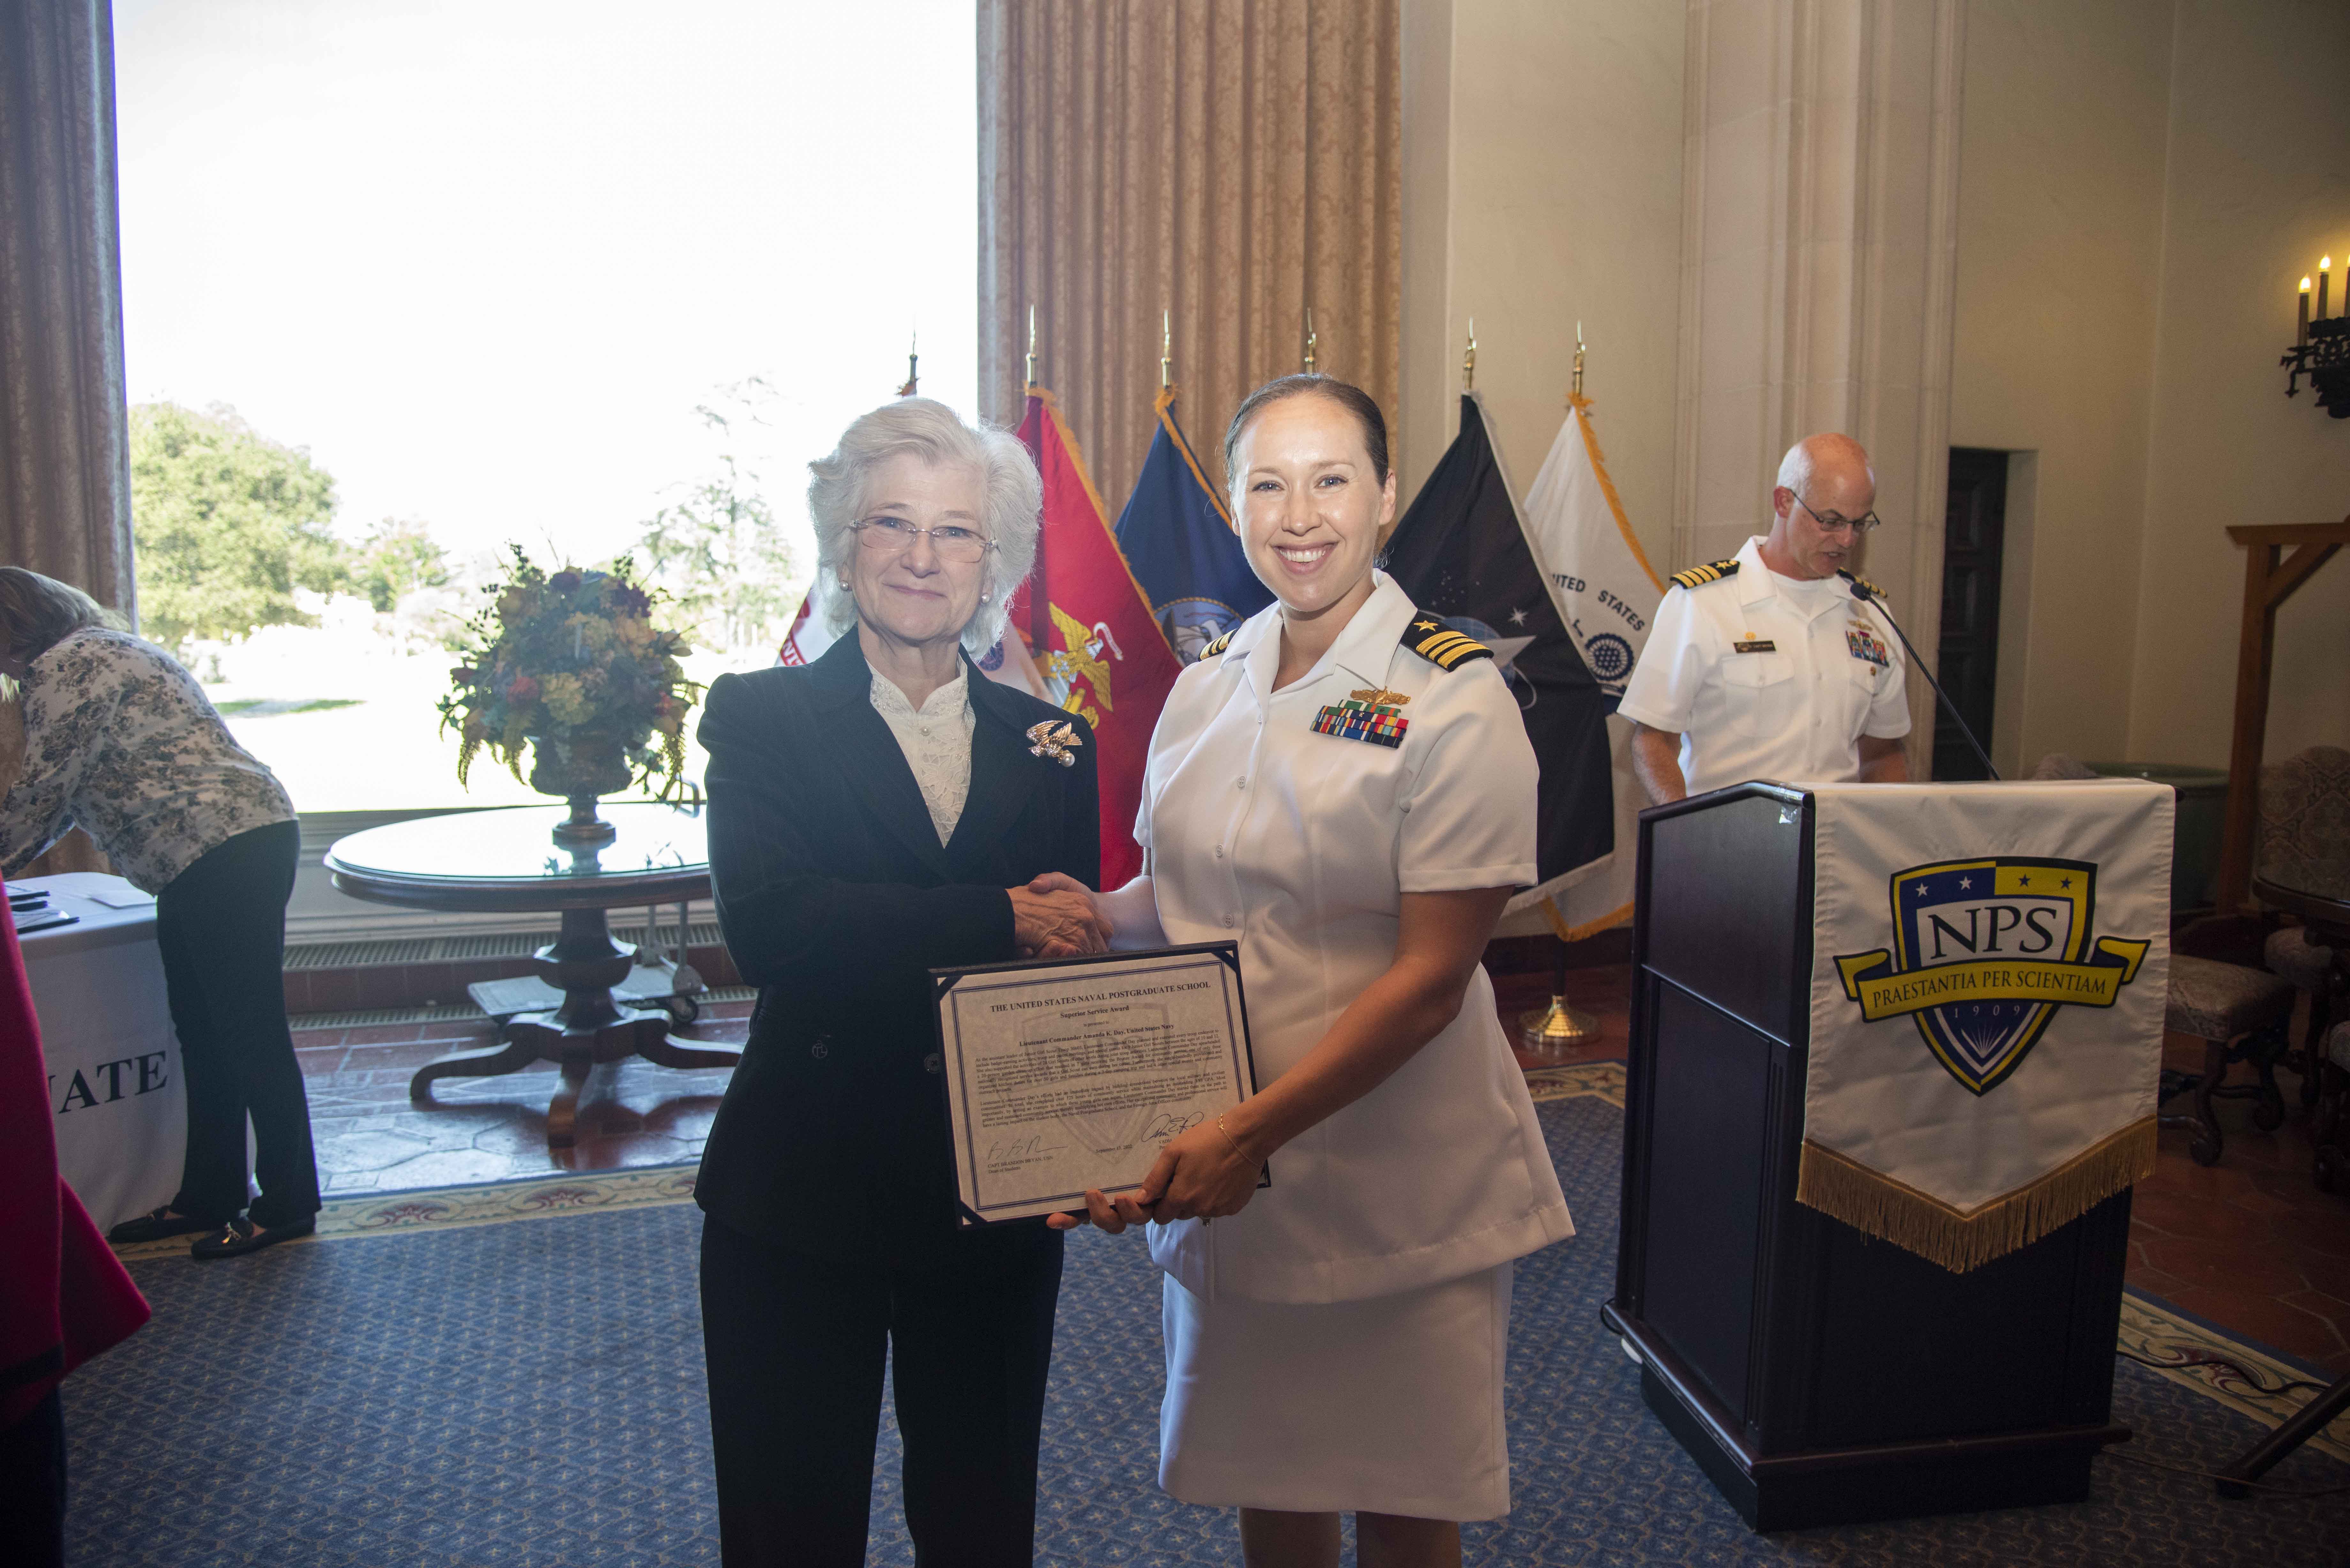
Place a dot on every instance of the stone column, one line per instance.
(1818, 273)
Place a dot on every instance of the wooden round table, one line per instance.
(508, 860)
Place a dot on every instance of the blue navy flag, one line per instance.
(1461, 553)
(1178, 540)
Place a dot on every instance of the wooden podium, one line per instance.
(1818, 1375)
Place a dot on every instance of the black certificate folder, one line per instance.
(1065, 1074)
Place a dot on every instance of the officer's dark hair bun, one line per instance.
(1347, 395)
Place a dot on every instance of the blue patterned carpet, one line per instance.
(532, 1393)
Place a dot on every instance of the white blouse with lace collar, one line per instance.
(936, 739)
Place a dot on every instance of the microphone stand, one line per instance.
(1862, 592)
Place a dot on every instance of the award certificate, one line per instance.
(1071, 1074)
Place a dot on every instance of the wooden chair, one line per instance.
(2301, 867)
(2239, 1014)
(2295, 955)
(2330, 1129)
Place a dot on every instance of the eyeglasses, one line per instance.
(1868, 523)
(894, 537)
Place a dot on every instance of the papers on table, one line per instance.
(1073, 1074)
(30, 910)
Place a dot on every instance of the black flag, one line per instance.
(1461, 553)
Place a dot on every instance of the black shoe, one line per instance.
(156, 1226)
(239, 1236)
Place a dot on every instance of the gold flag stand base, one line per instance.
(1557, 1027)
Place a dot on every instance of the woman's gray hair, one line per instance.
(919, 427)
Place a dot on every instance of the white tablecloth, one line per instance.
(106, 1030)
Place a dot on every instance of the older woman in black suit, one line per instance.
(873, 816)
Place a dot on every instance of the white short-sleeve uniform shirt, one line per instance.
(1764, 678)
(1299, 845)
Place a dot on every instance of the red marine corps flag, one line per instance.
(1098, 648)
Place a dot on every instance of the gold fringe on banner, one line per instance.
(1566, 933)
(1961, 1240)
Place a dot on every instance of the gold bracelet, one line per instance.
(1234, 1141)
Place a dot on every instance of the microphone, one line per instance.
(1869, 595)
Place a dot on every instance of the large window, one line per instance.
(405, 282)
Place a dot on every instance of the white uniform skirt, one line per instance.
(1391, 1404)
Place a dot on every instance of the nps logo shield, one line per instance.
(1984, 952)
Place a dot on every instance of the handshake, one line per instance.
(1059, 917)
(1206, 1171)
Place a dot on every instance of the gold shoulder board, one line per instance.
(1217, 646)
(1712, 572)
(1874, 591)
(1440, 645)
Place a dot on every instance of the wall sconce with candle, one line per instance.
(2322, 349)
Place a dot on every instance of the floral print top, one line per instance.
(122, 740)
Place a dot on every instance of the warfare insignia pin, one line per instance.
(1053, 741)
(1366, 716)
(1984, 952)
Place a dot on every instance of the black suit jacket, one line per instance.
(837, 899)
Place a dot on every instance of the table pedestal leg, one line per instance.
(579, 1047)
(509, 1056)
(590, 1027)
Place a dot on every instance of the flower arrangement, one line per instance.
(571, 661)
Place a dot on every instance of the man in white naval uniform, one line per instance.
(1767, 665)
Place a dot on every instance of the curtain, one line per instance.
(65, 474)
(1231, 161)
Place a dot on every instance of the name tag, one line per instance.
(1760, 645)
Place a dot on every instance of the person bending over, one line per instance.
(119, 739)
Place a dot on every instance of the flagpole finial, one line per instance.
(913, 365)
(1469, 360)
(1310, 340)
(1032, 347)
(1166, 350)
(1578, 359)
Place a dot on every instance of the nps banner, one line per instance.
(1988, 973)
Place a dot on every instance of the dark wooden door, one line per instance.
(1968, 657)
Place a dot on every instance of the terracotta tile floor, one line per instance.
(369, 1138)
(2250, 1244)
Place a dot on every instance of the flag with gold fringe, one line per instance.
(1990, 965)
(1465, 554)
(1177, 536)
(1606, 593)
(1089, 626)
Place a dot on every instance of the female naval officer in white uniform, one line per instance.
(1347, 789)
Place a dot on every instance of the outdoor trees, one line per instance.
(394, 560)
(227, 525)
(718, 549)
